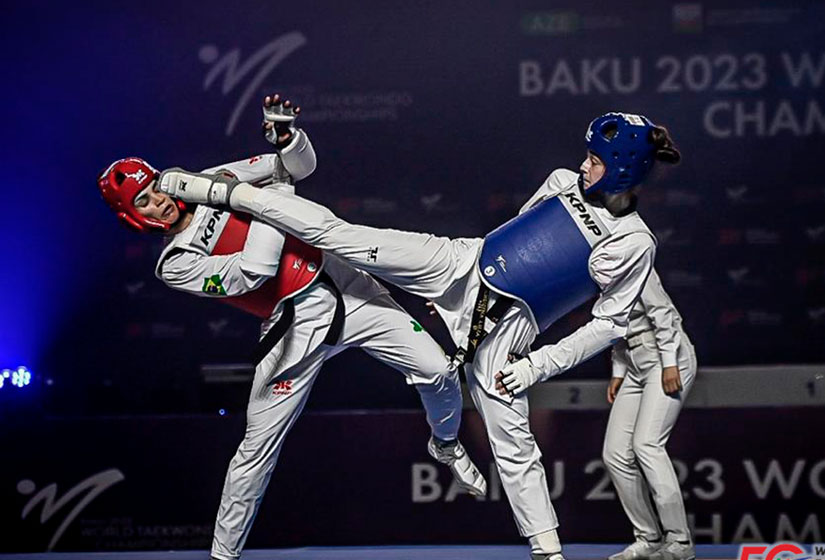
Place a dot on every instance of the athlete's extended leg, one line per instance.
(388, 333)
(422, 264)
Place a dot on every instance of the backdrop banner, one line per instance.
(132, 483)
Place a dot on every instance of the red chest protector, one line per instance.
(300, 264)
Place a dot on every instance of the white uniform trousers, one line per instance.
(640, 423)
(442, 270)
(285, 376)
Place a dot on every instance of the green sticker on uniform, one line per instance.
(417, 326)
(213, 285)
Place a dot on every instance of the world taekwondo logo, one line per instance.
(257, 67)
(92, 487)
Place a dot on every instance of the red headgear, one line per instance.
(121, 183)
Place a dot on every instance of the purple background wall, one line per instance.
(428, 116)
(433, 116)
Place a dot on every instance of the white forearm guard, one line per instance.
(198, 188)
(298, 156)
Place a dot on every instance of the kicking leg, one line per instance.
(422, 264)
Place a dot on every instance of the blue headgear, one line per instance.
(628, 155)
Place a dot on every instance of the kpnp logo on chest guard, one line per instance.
(210, 229)
(589, 224)
(541, 256)
(222, 232)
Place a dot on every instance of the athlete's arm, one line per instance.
(215, 275)
(619, 370)
(662, 314)
(620, 267)
(617, 359)
(294, 160)
(262, 249)
(293, 145)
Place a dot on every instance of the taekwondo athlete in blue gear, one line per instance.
(654, 363)
(621, 146)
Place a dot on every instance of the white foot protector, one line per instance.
(675, 550)
(454, 455)
(546, 546)
(639, 550)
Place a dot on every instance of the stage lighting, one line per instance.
(21, 377)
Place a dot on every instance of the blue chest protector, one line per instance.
(541, 256)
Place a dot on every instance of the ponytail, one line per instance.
(665, 149)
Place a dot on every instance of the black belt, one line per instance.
(481, 312)
(278, 330)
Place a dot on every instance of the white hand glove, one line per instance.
(197, 188)
(517, 376)
(294, 147)
(279, 119)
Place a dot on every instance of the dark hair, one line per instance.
(666, 150)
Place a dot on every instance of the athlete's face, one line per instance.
(592, 169)
(154, 204)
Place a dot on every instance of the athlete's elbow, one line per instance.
(255, 275)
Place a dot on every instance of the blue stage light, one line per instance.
(20, 377)
(222, 412)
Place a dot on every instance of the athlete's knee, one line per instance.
(248, 451)
(320, 228)
(647, 448)
(616, 456)
(436, 382)
(439, 371)
(516, 453)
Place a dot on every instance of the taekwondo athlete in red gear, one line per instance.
(318, 304)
